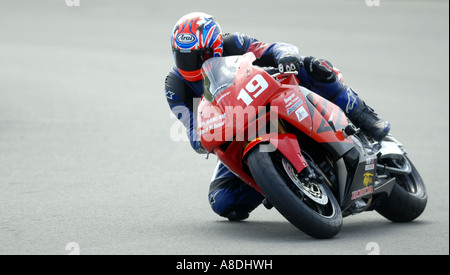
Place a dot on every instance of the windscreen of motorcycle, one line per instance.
(218, 75)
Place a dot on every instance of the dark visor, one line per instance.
(191, 60)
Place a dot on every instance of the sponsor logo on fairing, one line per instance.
(301, 114)
(362, 192)
(295, 107)
(368, 179)
(370, 164)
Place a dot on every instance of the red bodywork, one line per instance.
(234, 118)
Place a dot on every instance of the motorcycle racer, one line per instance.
(197, 37)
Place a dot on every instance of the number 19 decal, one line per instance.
(257, 85)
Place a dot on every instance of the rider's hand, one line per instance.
(289, 63)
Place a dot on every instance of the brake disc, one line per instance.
(311, 189)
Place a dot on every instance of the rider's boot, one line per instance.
(361, 115)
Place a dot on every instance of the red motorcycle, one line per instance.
(300, 151)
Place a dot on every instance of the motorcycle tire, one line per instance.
(408, 198)
(321, 221)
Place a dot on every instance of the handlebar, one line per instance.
(271, 70)
(277, 75)
(274, 72)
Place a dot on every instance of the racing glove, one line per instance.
(287, 57)
(289, 63)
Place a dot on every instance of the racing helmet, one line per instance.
(196, 37)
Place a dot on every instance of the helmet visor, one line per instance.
(191, 60)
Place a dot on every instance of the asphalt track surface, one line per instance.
(86, 151)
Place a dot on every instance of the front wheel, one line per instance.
(304, 201)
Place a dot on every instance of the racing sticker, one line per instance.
(367, 190)
(370, 164)
(301, 113)
(368, 179)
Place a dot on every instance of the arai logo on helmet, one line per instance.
(186, 38)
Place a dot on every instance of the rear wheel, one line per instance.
(408, 198)
(303, 199)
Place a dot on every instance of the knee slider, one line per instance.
(320, 69)
(228, 194)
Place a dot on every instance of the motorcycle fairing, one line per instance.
(286, 144)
